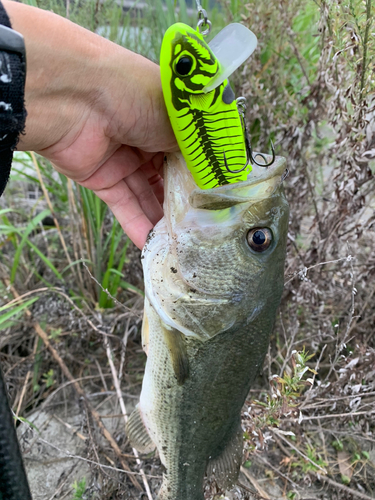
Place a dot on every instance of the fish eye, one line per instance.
(259, 239)
(184, 65)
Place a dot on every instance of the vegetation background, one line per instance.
(68, 348)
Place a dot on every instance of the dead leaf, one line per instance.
(343, 459)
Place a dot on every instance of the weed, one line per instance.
(79, 488)
(48, 378)
(284, 394)
(55, 333)
(307, 466)
(11, 311)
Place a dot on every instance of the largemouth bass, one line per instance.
(213, 269)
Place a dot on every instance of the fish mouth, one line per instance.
(261, 183)
(182, 194)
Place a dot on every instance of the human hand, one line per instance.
(95, 110)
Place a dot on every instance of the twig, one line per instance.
(342, 487)
(297, 450)
(74, 216)
(67, 384)
(316, 369)
(70, 428)
(28, 375)
(303, 272)
(263, 494)
(123, 409)
(320, 403)
(336, 415)
(367, 302)
(62, 483)
(105, 290)
(278, 472)
(289, 348)
(77, 457)
(42, 334)
(335, 432)
(340, 347)
(309, 392)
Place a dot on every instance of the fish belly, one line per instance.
(196, 423)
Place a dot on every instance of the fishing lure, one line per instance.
(207, 123)
(207, 119)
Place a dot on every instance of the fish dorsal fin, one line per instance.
(137, 433)
(226, 466)
(176, 344)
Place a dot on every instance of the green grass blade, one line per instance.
(128, 286)
(47, 262)
(75, 263)
(30, 227)
(15, 310)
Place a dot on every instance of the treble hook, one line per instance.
(250, 158)
(265, 164)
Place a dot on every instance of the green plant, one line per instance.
(345, 479)
(79, 488)
(338, 445)
(92, 236)
(9, 313)
(55, 333)
(48, 378)
(21, 238)
(306, 465)
(285, 391)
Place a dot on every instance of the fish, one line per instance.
(213, 270)
(207, 124)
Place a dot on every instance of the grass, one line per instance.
(310, 88)
(76, 229)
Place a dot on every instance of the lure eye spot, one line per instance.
(184, 65)
(259, 239)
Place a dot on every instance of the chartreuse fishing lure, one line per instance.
(207, 120)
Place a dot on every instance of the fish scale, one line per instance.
(224, 362)
(210, 308)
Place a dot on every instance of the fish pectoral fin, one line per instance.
(226, 466)
(138, 434)
(176, 343)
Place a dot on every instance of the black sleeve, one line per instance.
(12, 91)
